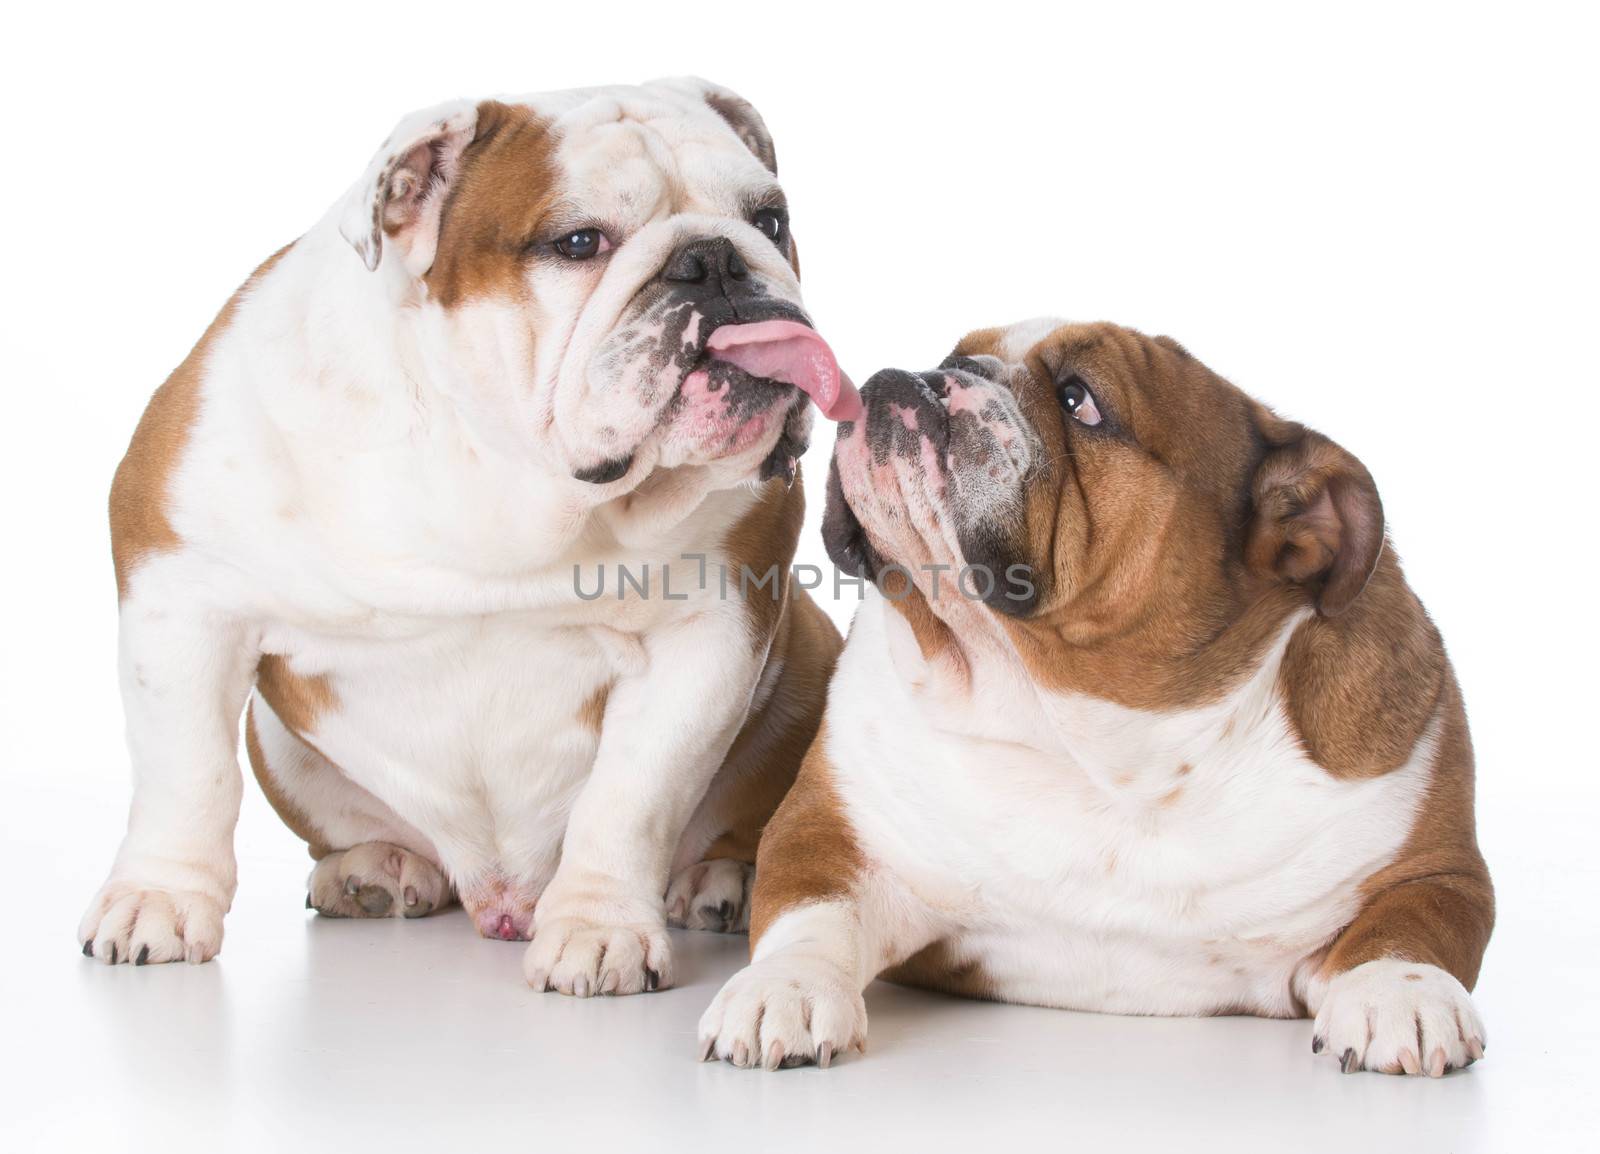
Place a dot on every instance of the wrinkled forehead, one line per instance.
(628, 154)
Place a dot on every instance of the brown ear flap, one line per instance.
(746, 123)
(1317, 518)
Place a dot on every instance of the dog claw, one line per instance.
(1317, 1043)
(1348, 1063)
(707, 1047)
(825, 1055)
(88, 948)
(144, 956)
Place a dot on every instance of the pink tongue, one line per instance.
(790, 352)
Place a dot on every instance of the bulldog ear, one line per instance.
(1317, 519)
(404, 188)
(740, 115)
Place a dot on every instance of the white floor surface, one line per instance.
(309, 1035)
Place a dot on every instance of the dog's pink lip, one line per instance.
(793, 353)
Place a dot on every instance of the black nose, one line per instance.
(698, 261)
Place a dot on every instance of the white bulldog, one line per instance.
(540, 340)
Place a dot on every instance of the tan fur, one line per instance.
(298, 701)
(765, 756)
(942, 967)
(1362, 687)
(761, 766)
(139, 521)
(293, 815)
(496, 209)
(592, 712)
(764, 541)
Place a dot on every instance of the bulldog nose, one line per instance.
(697, 261)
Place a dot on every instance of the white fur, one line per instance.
(1038, 835)
(1397, 1016)
(1035, 821)
(373, 493)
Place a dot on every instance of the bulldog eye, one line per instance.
(771, 223)
(583, 244)
(1078, 401)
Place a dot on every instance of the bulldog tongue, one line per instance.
(790, 352)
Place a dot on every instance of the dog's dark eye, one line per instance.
(1078, 401)
(583, 244)
(770, 222)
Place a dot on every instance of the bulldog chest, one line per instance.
(477, 733)
(1191, 873)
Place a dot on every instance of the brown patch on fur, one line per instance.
(809, 852)
(1173, 540)
(140, 525)
(935, 640)
(942, 967)
(296, 818)
(761, 542)
(1170, 798)
(496, 208)
(1186, 769)
(766, 755)
(1361, 687)
(593, 710)
(298, 701)
(1434, 903)
(982, 343)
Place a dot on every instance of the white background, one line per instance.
(1381, 220)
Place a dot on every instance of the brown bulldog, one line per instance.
(1143, 718)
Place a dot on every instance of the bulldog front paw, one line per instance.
(376, 880)
(1398, 1017)
(582, 958)
(712, 895)
(126, 923)
(784, 1012)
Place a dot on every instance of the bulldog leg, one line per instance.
(823, 927)
(1393, 990)
(1391, 995)
(712, 891)
(600, 926)
(184, 683)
